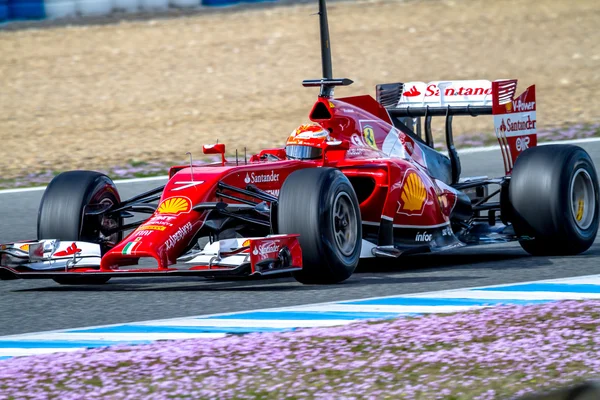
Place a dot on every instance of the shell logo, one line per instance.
(414, 193)
(175, 205)
(508, 106)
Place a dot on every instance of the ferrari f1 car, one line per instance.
(362, 180)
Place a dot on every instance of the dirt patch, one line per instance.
(98, 96)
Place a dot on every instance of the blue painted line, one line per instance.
(425, 301)
(176, 329)
(62, 344)
(546, 287)
(305, 315)
(4, 357)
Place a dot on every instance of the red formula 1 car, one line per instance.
(362, 180)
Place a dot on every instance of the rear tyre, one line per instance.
(61, 214)
(321, 205)
(554, 197)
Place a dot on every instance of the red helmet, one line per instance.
(306, 142)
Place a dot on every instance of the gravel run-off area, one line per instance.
(103, 96)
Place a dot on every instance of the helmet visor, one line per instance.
(300, 152)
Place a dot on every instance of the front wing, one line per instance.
(47, 259)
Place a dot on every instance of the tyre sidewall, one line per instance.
(61, 212)
(306, 208)
(540, 191)
(338, 184)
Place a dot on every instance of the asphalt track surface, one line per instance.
(39, 305)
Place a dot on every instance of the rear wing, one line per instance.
(514, 118)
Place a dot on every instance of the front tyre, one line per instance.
(321, 205)
(554, 197)
(62, 214)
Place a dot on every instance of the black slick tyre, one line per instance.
(61, 214)
(321, 205)
(553, 195)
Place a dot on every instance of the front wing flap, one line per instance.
(47, 259)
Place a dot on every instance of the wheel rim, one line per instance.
(103, 223)
(344, 223)
(108, 224)
(583, 196)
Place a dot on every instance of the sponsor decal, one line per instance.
(356, 140)
(24, 247)
(246, 243)
(412, 92)
(356, 152)
(274, 192)
(331, 105)
(186, 184)
(164, 220)
(520, 105)
(266, 249)
(141, 233)
(580, 208)
(522, 143)
(413, 195)
(433, 90)
(423, 237)
(151, 228)
(179, 235)
(174, 206)
(518, 125)
(130, 247)
(69, 251)
(369, 135)
(447, 231)
(459, 92)
(254, 177)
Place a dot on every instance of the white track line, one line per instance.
(158, 178)
(118, 182)
(118, 336)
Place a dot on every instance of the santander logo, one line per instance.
(261, 178)
(69, 251)
(265, 249)
(413, 92)
(433, 90)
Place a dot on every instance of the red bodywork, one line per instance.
(403, 206)
(402, 190)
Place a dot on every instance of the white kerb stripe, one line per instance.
(579, 280)
(386, 308)
(250, 323)
(14, 352)
(500, 295)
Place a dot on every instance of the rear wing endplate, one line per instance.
(514, 118)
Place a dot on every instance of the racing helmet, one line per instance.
(306, 142)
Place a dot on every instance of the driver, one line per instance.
(306, 142)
